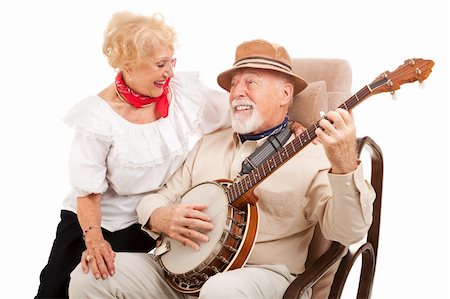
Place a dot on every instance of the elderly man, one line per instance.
(323, 184)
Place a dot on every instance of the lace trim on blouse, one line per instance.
(146, 145)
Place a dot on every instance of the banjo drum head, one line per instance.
(182, 259)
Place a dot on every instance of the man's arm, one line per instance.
(347, 215)
(161, 213)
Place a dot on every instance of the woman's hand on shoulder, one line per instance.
(297, 128)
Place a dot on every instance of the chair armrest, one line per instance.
(377, 183)
(367, 253)
(367, 250)
(315, 271)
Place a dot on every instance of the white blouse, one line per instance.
(124, 161)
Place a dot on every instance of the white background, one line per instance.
(51, 58)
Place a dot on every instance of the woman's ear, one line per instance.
(127, 73)
(126, 69)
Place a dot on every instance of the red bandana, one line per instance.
(139, 101)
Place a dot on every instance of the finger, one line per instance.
(335, 119)
(94, 268)
(297, 128)
(346, 116)
(99, 259)
(322, 137)
(347, 128)
(327, 126)
(198, 224)
(197, 213)
(299, 131)
(83, 263)
(109, 261)
(187, 242)
(198, 206)
(194, 235)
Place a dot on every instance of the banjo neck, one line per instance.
(241, 192)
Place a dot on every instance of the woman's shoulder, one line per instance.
(90, 118)
(188, 102)
(193, 82)
(196, 99)
(181, 77)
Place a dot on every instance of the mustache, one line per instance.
(240, 102)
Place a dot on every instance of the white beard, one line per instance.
(248, 124)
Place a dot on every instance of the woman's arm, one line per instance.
(99, 255)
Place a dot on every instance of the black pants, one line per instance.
(69, 245)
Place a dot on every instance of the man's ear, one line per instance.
(287, 92)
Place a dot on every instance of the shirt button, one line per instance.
(347, 184)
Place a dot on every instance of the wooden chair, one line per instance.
(329, 263)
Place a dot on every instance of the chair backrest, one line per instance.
(329, 84)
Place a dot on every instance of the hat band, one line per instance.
(265, 61)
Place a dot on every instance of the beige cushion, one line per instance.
(319, 96)
(306, 106)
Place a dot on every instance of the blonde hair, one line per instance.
(130, 38)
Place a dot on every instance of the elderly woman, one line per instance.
(129, 139)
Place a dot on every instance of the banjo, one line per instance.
(232, 205)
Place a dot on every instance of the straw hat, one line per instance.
(261, 54)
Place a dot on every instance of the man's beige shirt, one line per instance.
(298, 195)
